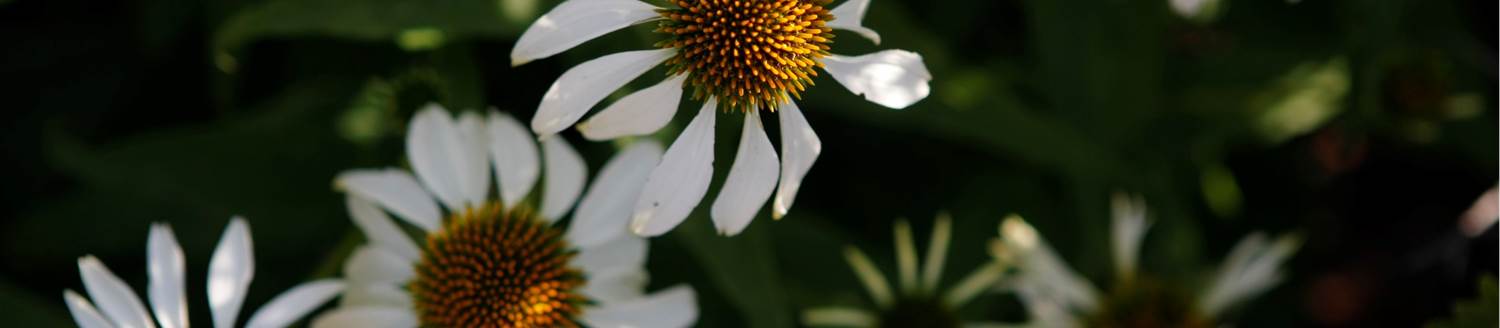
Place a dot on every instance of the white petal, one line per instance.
(293, 304)
(613, 286)
(395, 190)
(476, 178)
(573, 22)
(375, 295)
(847, 16)
(604, 212)
(367, 317)
(751, 179)
(673, 307)
(566, 176)
(799, 149)
(679, 182)
(640, 113)
(372, 265)
(1042, 268)
(1129, 229)
(624, 252)
(165, 266)
(586, 84)
(1252, 267)
(379, 229)
(112, 295)
(874, 282)
(229, 273)
(513, 150)
(906, 258)
(84, 313)
(937, 252)
(891, 78)
(439, 155)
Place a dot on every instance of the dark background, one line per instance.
(1366, 126)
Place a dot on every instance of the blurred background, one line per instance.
(1369, 127)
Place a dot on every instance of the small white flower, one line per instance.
(1058, 297)
(737, 55)
(486, 261)
(919, 300)
(229, 274)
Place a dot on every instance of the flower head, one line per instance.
(229, 274)
(495, 262)
(918, 301)
(1058, 297)
(738, 56)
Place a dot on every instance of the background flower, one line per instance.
(1369, 121)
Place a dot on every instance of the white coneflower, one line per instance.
(229, 274)
(1057, 297)
(919, 300)
(493, 262)
(737, 55)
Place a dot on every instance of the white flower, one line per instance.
(919, 300)
(491, 261)
(1058, 297)
(744, 55)
(229, 274)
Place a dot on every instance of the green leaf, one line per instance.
(1476, 313)
(412, 24)
(743, 267)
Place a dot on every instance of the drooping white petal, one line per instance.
(379, 229)
(1252, 267)
(395, 190)
(1045, 308)
(800, 147)
(292, 305)
(1041, 267)
(165, 266)
(573, 22)
(1129, 229)
(874, 282)
(566, 176)
(367, 317)
(112, 295)
(840, 317)
(229, 273)
(604, 212)
(674, 307)
(375, 295)
(84, 313)
(891, 78)
(640, 113)
(476, 177)
(847, 16)
(751, 179)
(677, 184)
(617, 285)
(586, 84)
(517, 165)
(624, 252)
(439, 155)
(373, 265)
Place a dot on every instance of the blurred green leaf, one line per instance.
(414, 24)
(1477, 313)
(743, 267)
(31, 310)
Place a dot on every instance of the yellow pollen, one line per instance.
(747, 53)
(493, 268)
